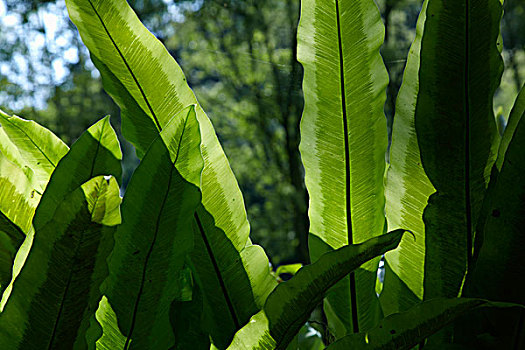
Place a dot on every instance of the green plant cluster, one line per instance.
(171, 265)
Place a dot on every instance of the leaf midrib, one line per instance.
(217, 270)
(154, 240)
(210, 252)
(353, 291)
(76, 251)
(157, 124)
(64, 294)
(34, 144)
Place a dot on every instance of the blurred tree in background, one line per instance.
(239, 57)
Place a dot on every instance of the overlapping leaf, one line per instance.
(28, 156)
(17, 207)
(498, 268)
(96, 152)
(11, 238)
(407, 190)
(186, 317)
(109, 337)
(343, 142)
(453, 71)
(156, 235)
(407, 329)
(515, 116)
(290, 304)
(150, 89)
(57, 291)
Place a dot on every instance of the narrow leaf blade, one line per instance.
(344, 140)
(290, 304)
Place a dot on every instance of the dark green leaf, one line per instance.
(452, 73)
(291, 303)
(187, 318)
(407, 329)
(156, 235)
(57, 291)
(499, 267)
(11, 238)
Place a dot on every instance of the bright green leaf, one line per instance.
(407, 190)
(37, 147)
(150, 88)
(289, 269)
(110, 337)
(344, 140)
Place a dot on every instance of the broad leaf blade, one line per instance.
(499, 267)
(407, 329)
(235, 281)
(28, 156)
(344, 140)
(156, 235)
(455, 125)
(151, 80)
(150, 88)
(57, 291)
(96, 152)
(137, 126)
(457, 68)
(255, 335)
